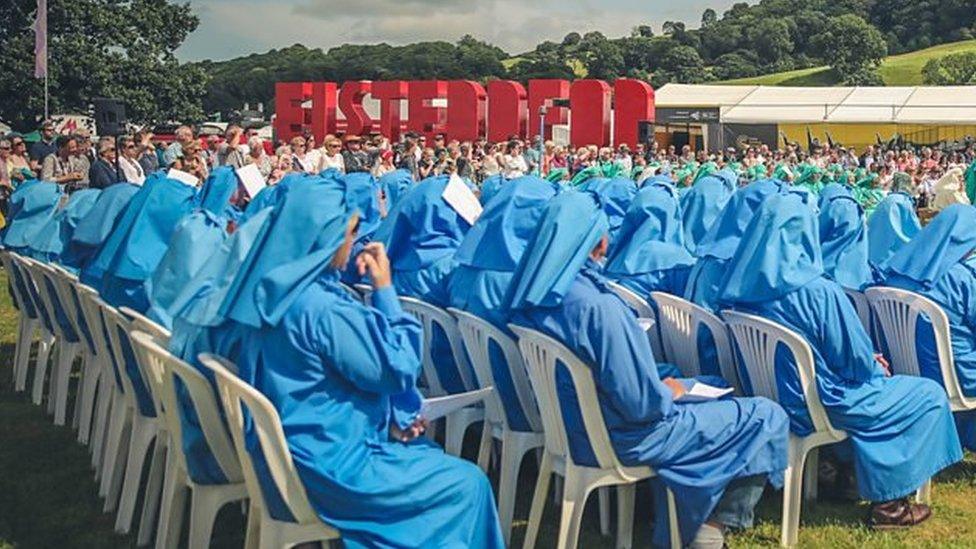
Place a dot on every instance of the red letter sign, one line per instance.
(323, 109)
(424, 117)
(389, 93)
(351, 101)
(633, 103)
(465, 110)
(506, 110)
(289, 114)
(539, 91)
(590, 102)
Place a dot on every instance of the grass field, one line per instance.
(896, 70)
(48, 495)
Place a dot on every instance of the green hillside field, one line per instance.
(896, 70)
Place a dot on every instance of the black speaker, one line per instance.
(109, 116)
(645, 131)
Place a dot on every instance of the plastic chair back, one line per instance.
(237, 396)
(757, 340)
(119, 329)
(7, 261)
(91, 308)
(644, 310)
(59, 301)
(145, 324)
(897, 312)
(478, 335)
(204, 403)
(352, 292)
(860, 302)
(542, 354)
(20, 281)
(431, 316)
(38, 290)
(67, 284)
(681, 321)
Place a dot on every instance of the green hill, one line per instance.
(896, 70)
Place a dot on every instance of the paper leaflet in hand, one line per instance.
(251, 178)
(459, 197)
(183, 177)
(438, 407)
(701, 392)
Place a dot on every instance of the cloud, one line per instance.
(237, 27)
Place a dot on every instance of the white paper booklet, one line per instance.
(700, 392)
(183, 177)
(459, 196)
(438, 407)
(251, 178)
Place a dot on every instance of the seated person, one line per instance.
(93, 228)
(702, 203)
(48, 243)
(893, 224)
(900, 428)
(422, 235)
(715, 456)
(938, 264)
(333, 368)
(365, 192)
(717, 247)
(31, 206)
(844, 239)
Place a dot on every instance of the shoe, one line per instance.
(898, 514)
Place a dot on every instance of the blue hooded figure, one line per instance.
(50, 241)
(270, 195)
(893, 225)
(140, 239)
(486, 260)
(699, 450)
(490, 187)
(193, 242)
(32, 205)
(364, 192)
(900, 428)
(93, 229)
(718, 245)
(937, 264)
(844, 239)
(702, 203)
(616, 195)
(395, 185)
(422, 234)
(307, 336)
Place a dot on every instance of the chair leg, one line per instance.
(172, 505)
(253, 533)
(604, 499)
(76, 410)
(484, 447)
(89, 382)
(116, 473)
(60, 382)
(512, 454)
(204, 505)
(811, 472)
(673, 528)
(792, 501)
(25, 339)
(110, 446)
(142, 433)
(103, 405)
(625, 515)
(150, 506)
(40, 367)
(454, 430)
(538, 502)
(924, 493)
(575, 491)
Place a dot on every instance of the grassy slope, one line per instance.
(896, 70)
(47, 493)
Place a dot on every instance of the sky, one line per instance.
(230, 28)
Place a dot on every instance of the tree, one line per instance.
(951, 70)
(852, 47)
(572, 39)
(642, 31)
(603, 58)
(101, 48)
(771, 39)
(709, 17)
(735, 65)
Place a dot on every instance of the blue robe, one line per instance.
(844, 240)
(140, 239)
(616, 194)
(364, 192)
(32, 205)
(49, 242)
(935, 264)
(900, 427)
(395, 185)
(702, 203)
(421, 235)
(490, 187)
(696, 449)
(893, 224)
(486, 260)
(94, 228)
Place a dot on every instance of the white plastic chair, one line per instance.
(28, 324)
(45, 325)
(206, 499)
(457, 423)
(353, 293)
(365, 291)
(478, 335)
(542, 354)
(898, 312)
(644, 310)
(757, 340)
(680, 321)
(860, 302)
(236, 396)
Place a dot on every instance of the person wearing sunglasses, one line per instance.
(332, 158)
(129, 167)
(17, 164)
(103, 173)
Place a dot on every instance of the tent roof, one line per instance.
(773, 104)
